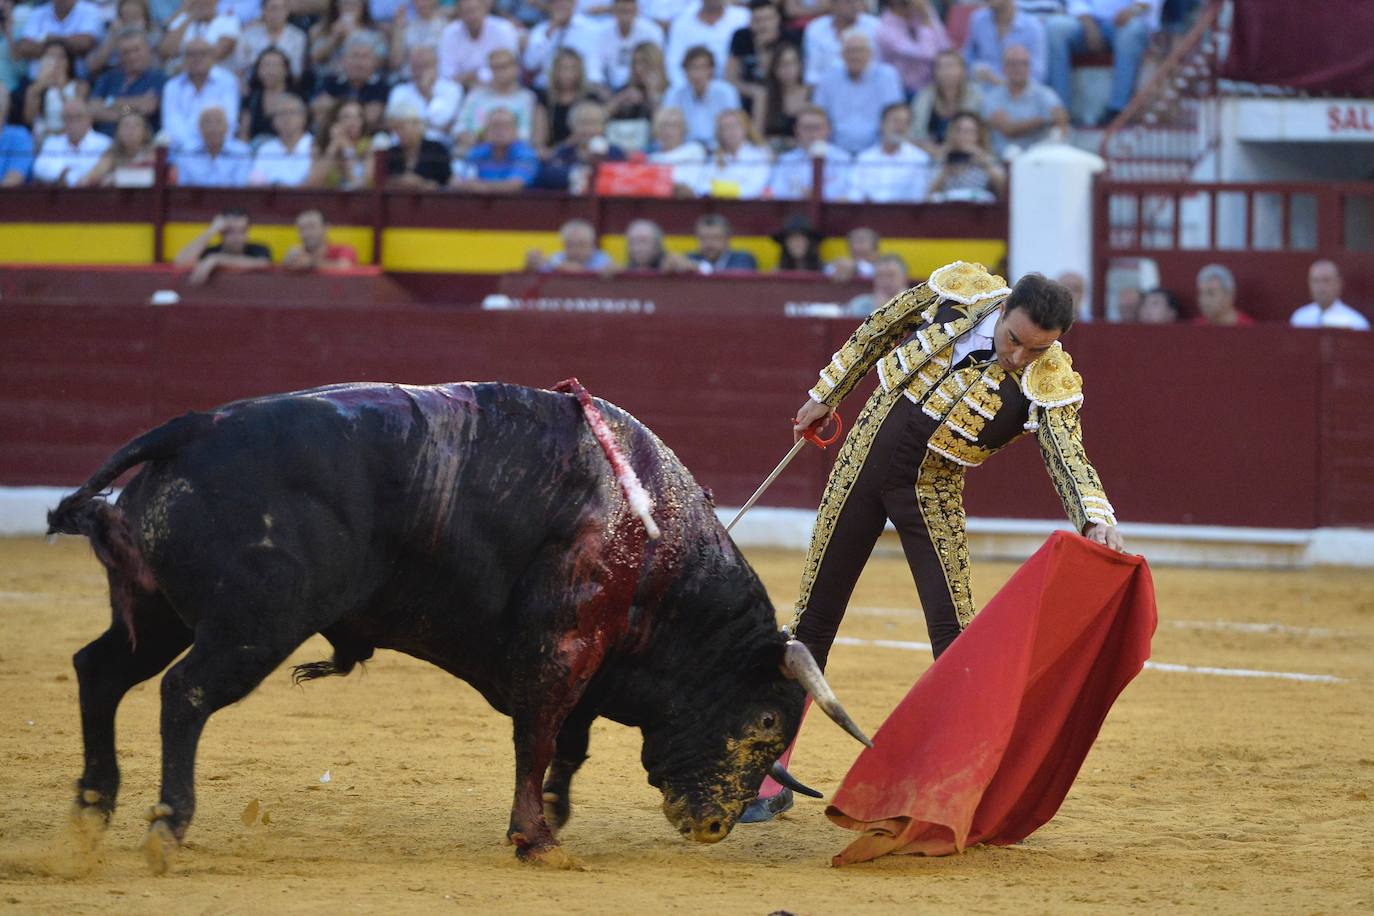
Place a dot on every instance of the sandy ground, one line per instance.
(1231, 794)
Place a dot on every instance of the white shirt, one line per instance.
(58, 153)
(979, 338)
(82, 19)
(1107, 9)
(273, 163)
(884, 178)
(581, 34)
(821, 46)
(182, 104)
(688, 31)
(793, 172)
(229, 169)
(701, 113)
(743, 175)
(1339, 315)
(615, 50)
(440, 110)
(687, 161)
(224, 25)
(460, 54)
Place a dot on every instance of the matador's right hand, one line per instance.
(811, 416)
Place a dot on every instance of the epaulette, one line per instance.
(966, 283)
(1050, 381)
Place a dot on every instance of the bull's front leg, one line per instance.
(536, 732)
(570, 751)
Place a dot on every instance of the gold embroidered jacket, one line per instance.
(980, 408)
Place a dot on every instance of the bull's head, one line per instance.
(709, 762)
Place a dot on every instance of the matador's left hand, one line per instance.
(1106, 535)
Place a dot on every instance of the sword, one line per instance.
(809, 436)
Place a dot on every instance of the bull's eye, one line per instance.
(768, 720)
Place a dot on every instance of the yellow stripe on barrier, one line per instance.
(275, 236)
(76, 243)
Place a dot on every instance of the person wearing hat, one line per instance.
(799, 243)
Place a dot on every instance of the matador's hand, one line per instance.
(810, 415)
(1106, 535)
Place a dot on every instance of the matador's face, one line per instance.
(1019, 341)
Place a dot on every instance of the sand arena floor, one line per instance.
(1230, 794)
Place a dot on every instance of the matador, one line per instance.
(965, 367)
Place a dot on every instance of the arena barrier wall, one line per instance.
(1255, 428)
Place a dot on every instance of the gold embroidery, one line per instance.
(940, 494)
(1061, 443)
(872, 340)
(967, 283)
(949, 444)
(1050, 381)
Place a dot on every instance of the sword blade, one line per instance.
(782, 466)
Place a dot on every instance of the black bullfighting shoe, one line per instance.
(765, 809)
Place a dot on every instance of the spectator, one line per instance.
(315, 251)
(855, 95)
(563, 29)
(1020, 110)
(129, 161)
(55, 84)
(997, 27)
(740, 165)
(436, 98)
(502, 163)
(642, 95)
(787, 95)
(702, 97)
(793, 172)
(273, 31)
(568, 87)
(1077, 286)
(1216, 298)
(199, 20)
(346, 162)
(243, 10)
(968, 172)
(893, 170)
(797, 13)
(711, 24)
(644, 249)
(360, 80)
(287, 158)
(415, 162)
(504, 91)
(77, 24)
(469, 41)
(233, 251)
(859, 262)
(824, 37)
(215, 160)
(909, 36)
(950, 92)
(889, 279)
(66, 157)
(135, 85)
(419, 24)
(1160, 306)
(525, 13)
(798, 245)
(1327, 310)
(348, 23)
(270, 82)
(1124, 26)
(579, 253)
(130, 15)
(569, 166)
(751, 56)
(200, 85)
(671, 147)
(714, 253)
(620, 39)
(1128, 302)
(16, 147)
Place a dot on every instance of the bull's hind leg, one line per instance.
(105, 670)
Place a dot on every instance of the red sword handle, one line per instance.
(813, 436)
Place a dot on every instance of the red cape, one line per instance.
(985, 746)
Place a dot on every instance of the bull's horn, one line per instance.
(797, 663)
(784, 778)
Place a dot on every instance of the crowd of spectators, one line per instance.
(727, 99)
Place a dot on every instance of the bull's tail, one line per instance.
(349, 651)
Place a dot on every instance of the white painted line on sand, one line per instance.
(1232, 625)
(911, 646)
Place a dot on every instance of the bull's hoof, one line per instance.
(551, 856)
(557, 810)
(87, 828)
(160, 845)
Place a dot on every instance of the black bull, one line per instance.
(477, 527)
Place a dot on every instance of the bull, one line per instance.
(475, 526)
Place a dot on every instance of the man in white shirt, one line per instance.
(1124, 26)
(470, 38)
(793, 172)
(823, 36)
(218, 160)
(77, 23)
(702, 97)
(200, 85)
(199, 20)
(1326, 310)
(65, 158)
(625, 31)
(893, 170)
(1021, 111)
(287, 158)
(563, 29)
(711, 26)
(855, 94)
(436, 98)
